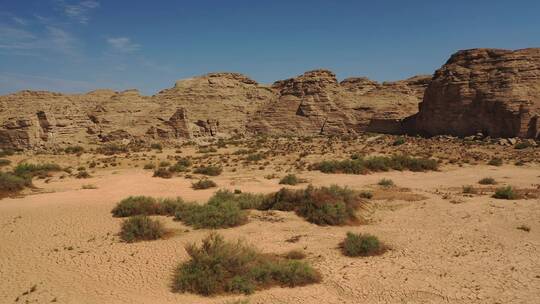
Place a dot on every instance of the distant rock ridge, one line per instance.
(495, 92)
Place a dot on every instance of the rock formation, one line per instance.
(489, 91)
(315, 103)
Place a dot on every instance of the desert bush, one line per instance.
(291, 179)
(145, 205)
(505, 193)
(83, 174)
(164, 163)
(111, 149)
(386, 182)
(366, 194)
(243, 200)
(186, 162)
(163, 173)
(487, 181)
(89, 187)
(495, 162)
(213, 215)
(295, 255)
(207, 150)
(10, 182)
(156, 146)
(149, 166)
(362, 245)
(469, 189)
(255, 157)
(332, 205)
(141, 228)
(218, 267)
(376, 164)
(203, 184)
(209, 170)
(4, 162)
(176, 168)
(522, 145)
(399, 141)
(6, 152)
(74, 150)
(31, 170)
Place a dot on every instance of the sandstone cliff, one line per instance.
(495, 92)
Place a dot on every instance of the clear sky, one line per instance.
(77, 46)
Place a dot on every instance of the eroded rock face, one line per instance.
(489, 91)
(315, 103)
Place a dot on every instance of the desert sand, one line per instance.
(59, 242)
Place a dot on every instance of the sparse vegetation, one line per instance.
(209, 170)
(386, 182)
(213, 215)
(31, 170)
(332, 205)
(145, 205)
(149, 166)
(4, 162)
(203, 184)
(469, 189)
(361, 165)
(83, 174)
(141, 228)
(487, 181)
(506, 193)
(399, 141)
(243, 200)
(11, 183)
(219, 267)
(156, 146)
(524, 228)
(111, 149)
(163, 173)
(366, 194)
(362, 245)
(291, 179)
(522, 145)
(74, 150)
(496, 161)
(255, 157)
(89, 187)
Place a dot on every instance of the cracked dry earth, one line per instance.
(62, 242)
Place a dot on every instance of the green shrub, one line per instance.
(487, 181)
(255, 157)
(164, 163)
(31, 170)
(209, 170)
(243, 200)
(219, 267)
(332, 205)
(177, 168)
(376, 164)
(366, 194)
(4, 162)
(10, 183)
(203, 184)
(185, 162)
(399, 141)
(506, 193)
(290, 179)
(74, 150)
(386, 182)
(156, 146)
(207, 150)
(141, 228)
(522, 145)
(145, 205)
(149, 166)
(215, 215)
(163, 173)
(495, 162)
(362, 245)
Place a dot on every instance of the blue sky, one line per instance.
(77, 46)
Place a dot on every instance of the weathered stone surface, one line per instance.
(496, 92)
(315, 103)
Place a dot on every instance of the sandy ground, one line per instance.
(62, 241)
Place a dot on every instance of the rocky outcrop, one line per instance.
(315, 103)
(489, 91)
